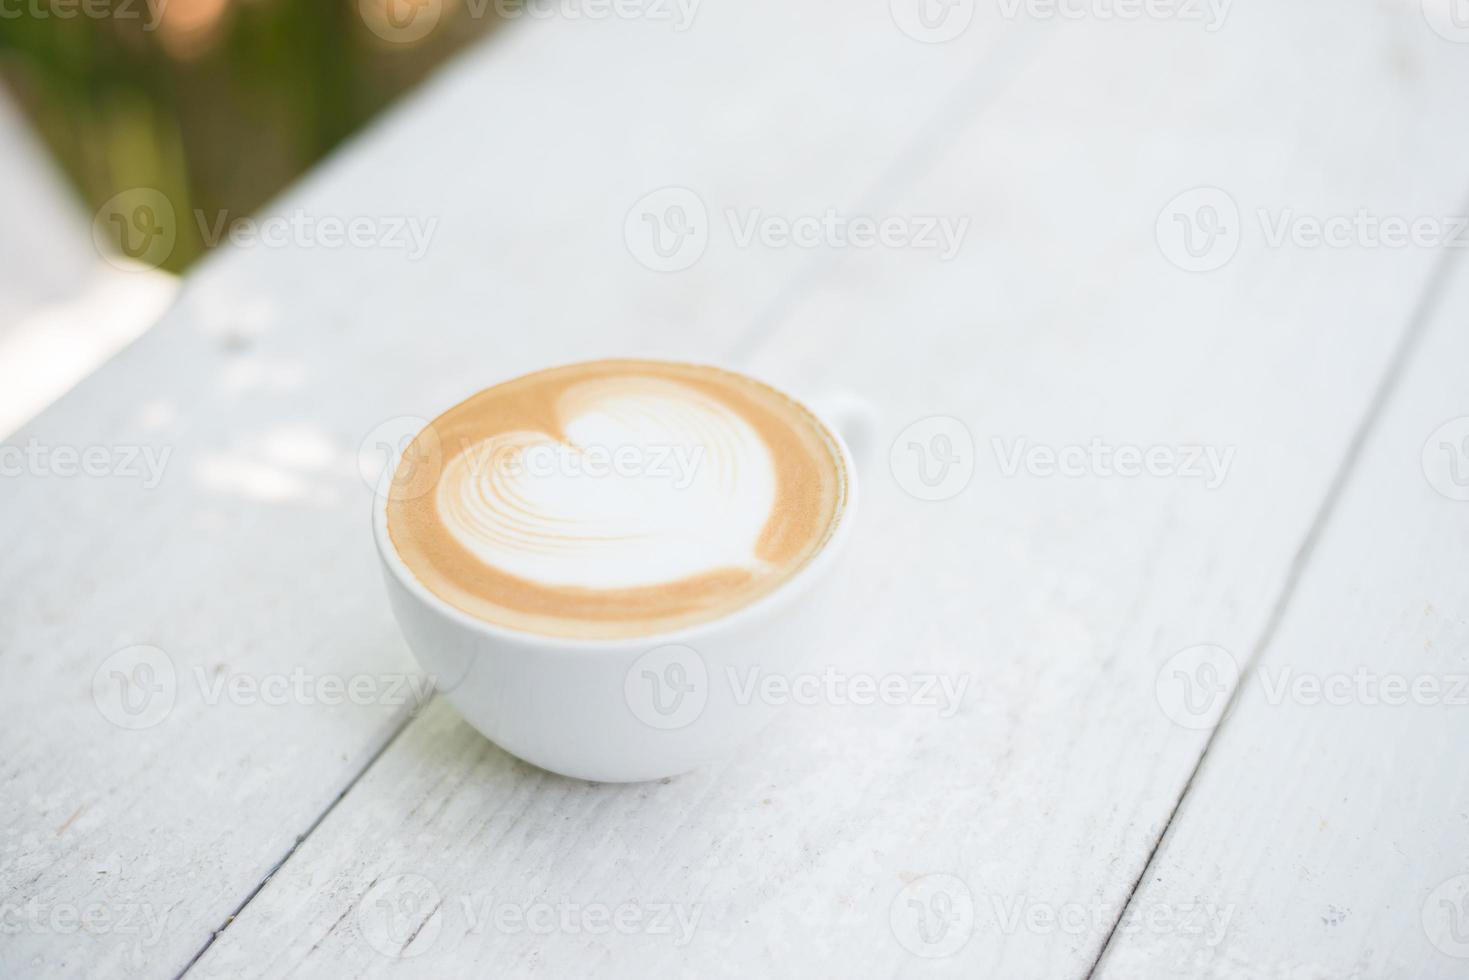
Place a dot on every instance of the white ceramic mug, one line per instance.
(626, 710)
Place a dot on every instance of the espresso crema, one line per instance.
(615, 498)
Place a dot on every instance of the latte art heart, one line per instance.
(615, 498)
(654, 483)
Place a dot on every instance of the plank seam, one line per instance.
(1387, 386)
(302, 837)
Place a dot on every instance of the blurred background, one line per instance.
(215, 105)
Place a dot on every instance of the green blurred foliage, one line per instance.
(218, 104)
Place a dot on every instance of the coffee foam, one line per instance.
(615, 498)
(627, 502)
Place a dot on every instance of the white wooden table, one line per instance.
(1078, 812)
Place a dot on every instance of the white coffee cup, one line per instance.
(627, 710)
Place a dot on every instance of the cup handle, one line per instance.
(854, 419)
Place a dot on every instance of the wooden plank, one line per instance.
(1032, 808)
(243, 554)
(1327, 827)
